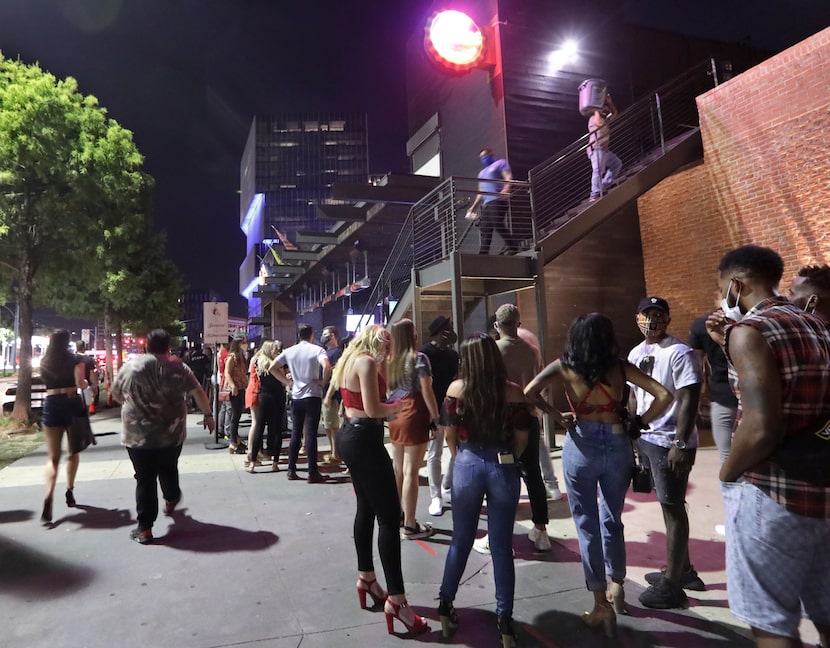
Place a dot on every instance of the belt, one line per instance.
(361, 420)
(61, 390)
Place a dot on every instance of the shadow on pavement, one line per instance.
(32, 575)
(94, 517)
(188, 534)
(17, 515)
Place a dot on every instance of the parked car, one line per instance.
(38, 394)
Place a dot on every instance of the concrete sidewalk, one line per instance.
(256, 560)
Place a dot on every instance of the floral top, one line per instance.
(152, 391)
(235, 366)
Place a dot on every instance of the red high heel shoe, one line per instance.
(372, 588)
(393, 611)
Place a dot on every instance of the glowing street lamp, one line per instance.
(455, 41)
(566, 54)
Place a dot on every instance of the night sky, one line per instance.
(187, 76)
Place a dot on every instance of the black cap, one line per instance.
(438, 325)
(653, 302)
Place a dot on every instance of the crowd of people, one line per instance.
(483, 406)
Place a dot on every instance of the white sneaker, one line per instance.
(539, 538)
(436, 507)
(482, 545)
(446, 495)
(553, 493)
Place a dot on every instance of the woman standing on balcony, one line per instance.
(410, 378)
(63, 374)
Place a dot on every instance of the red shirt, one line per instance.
(801, 344)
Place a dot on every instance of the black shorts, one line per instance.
(670, 486)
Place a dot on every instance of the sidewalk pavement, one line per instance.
(256, 560)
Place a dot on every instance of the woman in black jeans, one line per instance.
(360, 376)
(271, 408)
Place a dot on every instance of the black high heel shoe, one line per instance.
(46, 516)
(507, 632)
(449, 618)
(70, 497)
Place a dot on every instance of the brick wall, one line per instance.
(765, 180)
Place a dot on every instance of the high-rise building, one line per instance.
(288, 168)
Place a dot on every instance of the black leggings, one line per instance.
(361, 447)
(237, 406)
(270, 412)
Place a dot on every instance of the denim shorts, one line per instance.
(58, 410)
(670, 486)
(777, 562)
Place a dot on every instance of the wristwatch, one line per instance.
(679, 444)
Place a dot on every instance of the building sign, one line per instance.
(454, 41)
(216, 322)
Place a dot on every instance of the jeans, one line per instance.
(305, 414)
(605, 166)
(723, 423)
(224, 420)
(533, 475)
(493, 216)
(373, 479)
(435, 452)
(151, 464)
(592, 456)
(478, 473)
(776, 562)
(270, 413)
(237, 405)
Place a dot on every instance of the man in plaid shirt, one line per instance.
(776, 481)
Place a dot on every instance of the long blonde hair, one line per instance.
(265, 356)
(370, 341)
(403, 340)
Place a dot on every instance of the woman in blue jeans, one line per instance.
(487, 420)
(597, 452)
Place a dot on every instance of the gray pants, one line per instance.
(435, 452)
(223, 424)
(723, 423)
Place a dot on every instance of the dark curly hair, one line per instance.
(591, 348)
(756, 262)
(818, 278)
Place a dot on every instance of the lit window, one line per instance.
(311, 126)
(337, 125)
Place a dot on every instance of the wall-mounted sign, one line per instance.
(454, 40)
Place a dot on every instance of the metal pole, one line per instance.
(660, 124)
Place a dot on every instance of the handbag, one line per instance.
(641, 481)
(79, 435)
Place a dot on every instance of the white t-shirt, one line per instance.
(674, 366)
(304, 360)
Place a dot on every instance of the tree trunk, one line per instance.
(25, 278)
(108, 356)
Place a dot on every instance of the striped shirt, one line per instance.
(801, 344)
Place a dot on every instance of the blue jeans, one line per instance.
(477, 473)
(593, 456)
(605, 167)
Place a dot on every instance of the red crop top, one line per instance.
(592, 408)
(355, 399)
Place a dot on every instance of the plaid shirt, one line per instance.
(801, 344)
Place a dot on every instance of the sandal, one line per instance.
(418, 532)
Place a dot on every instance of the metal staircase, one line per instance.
(434, 266)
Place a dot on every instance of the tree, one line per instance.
(63, 167)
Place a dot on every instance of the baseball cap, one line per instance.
(438, 325)
(653, 302)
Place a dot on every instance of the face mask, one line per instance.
(651, 325)
(487, 160)
(732, 312)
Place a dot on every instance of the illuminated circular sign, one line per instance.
(454, 40)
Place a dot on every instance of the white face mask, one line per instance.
(732, 312)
